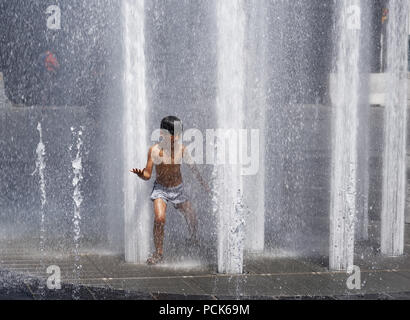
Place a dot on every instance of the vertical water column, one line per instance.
(255, 95)
(3, 98)
(136, 207)
(362, 205)
(345, 122)
(363, 140)
(40, 167)
(394, 158)
(77, 166)
(231, 22)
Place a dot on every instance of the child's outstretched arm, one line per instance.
(146, 173)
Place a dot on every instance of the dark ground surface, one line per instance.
(106, 276)
(30, 289)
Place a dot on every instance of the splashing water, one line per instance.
(40, 167)
(256, 110)
(136, 208)
(394, 158)
(231, 21)
(237, 234)
(3, 98)
(78, 199)
(345, 126)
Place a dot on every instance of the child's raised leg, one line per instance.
(191, 219)
(160, 209)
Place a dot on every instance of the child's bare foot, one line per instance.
(155, 259)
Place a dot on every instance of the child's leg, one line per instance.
(160, 208)
(190, 217)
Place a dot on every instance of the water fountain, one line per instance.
(137, 209)
(364, 120)
(240, 25)
(40, 170)
(230, 65)
(394, 165)
(345, 126)
(297, 127)
(40, 167)
(230, 114)
(78, 177)
(255, 106)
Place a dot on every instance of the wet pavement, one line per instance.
(102, 276)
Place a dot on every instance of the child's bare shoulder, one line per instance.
(155, 147)
(154, 150)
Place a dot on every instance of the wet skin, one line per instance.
(168, 170)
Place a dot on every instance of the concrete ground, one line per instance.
(106, 276)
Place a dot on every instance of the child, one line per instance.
(167, 157)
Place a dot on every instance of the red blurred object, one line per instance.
(385, 15)
(51, 62)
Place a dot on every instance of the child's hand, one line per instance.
(139, 173)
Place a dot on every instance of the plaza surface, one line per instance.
(106, 276)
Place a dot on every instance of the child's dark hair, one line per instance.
(172, 124)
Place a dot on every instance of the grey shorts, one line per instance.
(175, 195)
